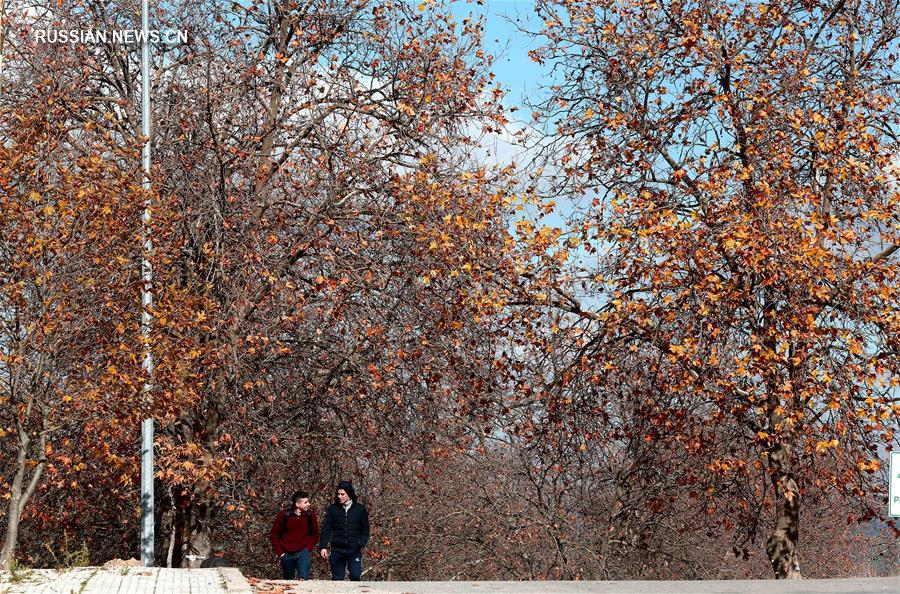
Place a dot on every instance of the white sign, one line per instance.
(894, 486)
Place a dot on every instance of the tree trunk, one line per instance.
(197, 543)
(2, 39)
(13, 516)
(169, 517)
(19, 494)
(781, 547)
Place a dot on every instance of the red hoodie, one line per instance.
(301, 532)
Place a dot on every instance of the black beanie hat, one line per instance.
(348, 487)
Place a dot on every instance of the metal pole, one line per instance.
(147, 504)
(2, 28)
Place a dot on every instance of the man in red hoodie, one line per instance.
(294, 534)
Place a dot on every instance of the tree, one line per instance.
(62, 229)
(341, 229)
(736, 165)
(338, 292)
(70, 343)
(331, 221)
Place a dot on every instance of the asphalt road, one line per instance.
(842, 586)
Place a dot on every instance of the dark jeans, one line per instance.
(296, 563)
(340, 562)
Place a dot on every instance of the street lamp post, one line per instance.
(147, 503)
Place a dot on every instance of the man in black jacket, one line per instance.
(346, 528)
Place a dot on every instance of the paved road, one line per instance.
(139, 580)
(849, 586)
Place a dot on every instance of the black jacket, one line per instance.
(211, 562)
(347, 531)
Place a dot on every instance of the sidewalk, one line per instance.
(126, 580)
(842, 586)
(141, 580)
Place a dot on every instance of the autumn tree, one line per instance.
(330, 212)
(70, 344)
(729, 256)
(343, 230)
(70, 365)
(706, 337)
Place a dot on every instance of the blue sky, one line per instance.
(514, 69)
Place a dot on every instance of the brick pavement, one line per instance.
(125, 580)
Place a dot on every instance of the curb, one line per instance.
(235, 582)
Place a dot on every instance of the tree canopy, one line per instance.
(667, 333)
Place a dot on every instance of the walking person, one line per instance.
(346, 529)
(294, 534)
